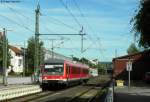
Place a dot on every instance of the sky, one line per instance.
(106, 24)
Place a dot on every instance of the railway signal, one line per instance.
(129, 68)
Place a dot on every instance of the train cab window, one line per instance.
(55, 69)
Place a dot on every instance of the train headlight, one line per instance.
(45, 77)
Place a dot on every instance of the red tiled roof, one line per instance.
(15, 49)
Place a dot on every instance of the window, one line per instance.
(54, 69)
(20, 62)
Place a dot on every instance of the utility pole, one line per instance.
(36, 56)
(4, 57)
(81, 33)
(24, 57)
(52, 48)
(116, 54)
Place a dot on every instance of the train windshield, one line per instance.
(54, 69)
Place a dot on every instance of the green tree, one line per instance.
(141, 23)
(1, 54)
(84, 60)
(75, 59)
(132, 49)
(31, 52)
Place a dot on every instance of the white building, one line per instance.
(49, 54)
(16, 61)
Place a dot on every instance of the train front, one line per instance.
(53, 73)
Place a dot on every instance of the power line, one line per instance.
(78, 8)
(19, 13)
(90, 38)
(16, 23)
(66, 7)
(62, 23)
(28, 18)
(82, 15)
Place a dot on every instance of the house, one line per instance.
(49, 54)
(16, 61)
(140, 65)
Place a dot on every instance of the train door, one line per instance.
(68, 72)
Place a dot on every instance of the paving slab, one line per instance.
(12, 91)
(134, 94)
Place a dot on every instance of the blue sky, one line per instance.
(105, 22)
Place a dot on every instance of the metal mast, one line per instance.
(36, 57)
(4, 57)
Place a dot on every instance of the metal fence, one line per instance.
(110, 93)
(17, 80)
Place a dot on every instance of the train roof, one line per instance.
(54, 61)
(65, 61)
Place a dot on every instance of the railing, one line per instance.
(19, 91)
(110, 93)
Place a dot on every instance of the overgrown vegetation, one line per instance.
(141, 23)
(102, 68)
(132, 49)
(30, 55)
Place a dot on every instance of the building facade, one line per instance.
(49, 54)
(16, 61)
(140, 65)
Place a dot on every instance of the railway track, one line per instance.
(39, 96)
(88, 95)
(91, 94)
(80, 93)
(30, 97)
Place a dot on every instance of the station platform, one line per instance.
(133, 94)
(12, 91)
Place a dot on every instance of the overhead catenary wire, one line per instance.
(19, 13)
(62, 23)
(69, 11)
(85, 20)
(95, 43)
(19, 24)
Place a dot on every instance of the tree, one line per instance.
(141, 23)
(31, 52)
(84, 60)
(1, 53)
(132, 49)
(75, 59)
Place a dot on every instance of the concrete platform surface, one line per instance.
(12, 91)
(134, 94)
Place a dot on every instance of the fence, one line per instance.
(18, 91)
(110, 93)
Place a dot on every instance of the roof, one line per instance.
(15, 49)
(132, 55)
(138, 59)
(54, 61)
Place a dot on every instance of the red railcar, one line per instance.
(63, 72)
